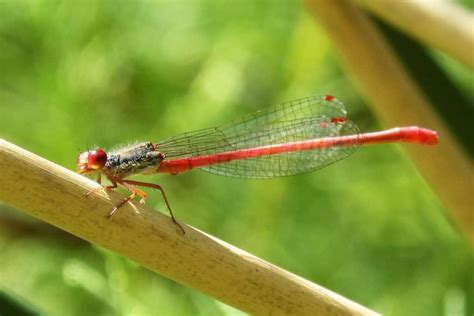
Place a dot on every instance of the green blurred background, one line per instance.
(75, 74)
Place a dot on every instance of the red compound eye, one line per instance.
(96, 159)
(328, 98)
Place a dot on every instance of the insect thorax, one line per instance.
(138, 158)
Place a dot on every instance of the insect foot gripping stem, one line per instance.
(129, 185)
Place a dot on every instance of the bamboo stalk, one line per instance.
(56, 195)
(396, 99)
(438, 23)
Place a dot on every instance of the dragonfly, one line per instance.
(288, 139)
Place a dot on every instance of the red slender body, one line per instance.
(288, 139)
(399, 134)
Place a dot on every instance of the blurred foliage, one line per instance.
(75, 74)
(437, 84)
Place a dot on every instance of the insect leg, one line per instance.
(156, 187)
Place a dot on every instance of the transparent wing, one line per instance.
(303, 119)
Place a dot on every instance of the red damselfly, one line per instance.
(291, 138)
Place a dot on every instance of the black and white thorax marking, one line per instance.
(134, 159)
